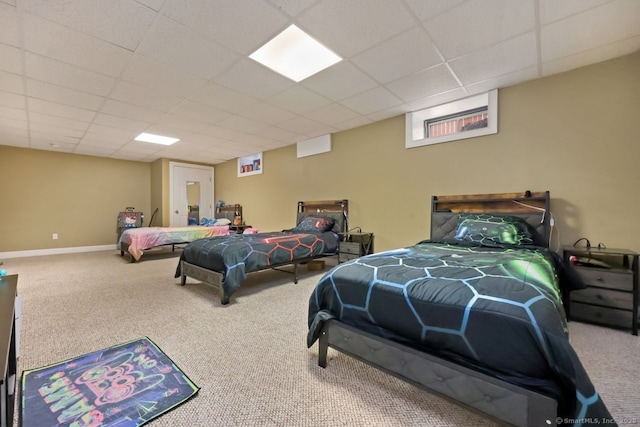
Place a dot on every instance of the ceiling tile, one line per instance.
(152, 4)
(403, 55)
(151, 74)
(62, 95)
(353, 26)
(553, 10)
(134, 112)
(14, 136)
(144, 97)
(184, 49)
(298, 99)
(13, 113)
(224, 99)
(103, 140)
(14, 100)
(252, 79)
(49, 70)
(43, 139)
(62, 122)
(198, 111)
(10, 59)
(183, 123)
(472, 26)
(292, 7)
(305, 126)
(429, 9)
(278, 134)
(120, 122)
(9, 25)
(59, 110)
(120, 22)
(340, 81)
(10, 82)
(240, 25)
(241, 124)
(504, 80)
(440, 98)
(109, 131)
(266, 113)
(64, 44)
(591, 56)
(372, 100)
(92, 150)
(13, 122)
(425, 83)
(590, 29)
(503, 58)
(353, 123)
(55, 130)
(332, 114)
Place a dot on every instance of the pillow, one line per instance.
(314, 224)
(223, 221)
(497, 229)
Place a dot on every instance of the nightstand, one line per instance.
(354, 245)
(611, 294)
(238, 229)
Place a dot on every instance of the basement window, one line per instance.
(465, 118)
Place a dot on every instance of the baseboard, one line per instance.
(56, 251)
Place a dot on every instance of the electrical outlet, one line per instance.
(54, 236)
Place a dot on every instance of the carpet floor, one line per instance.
(250, 357)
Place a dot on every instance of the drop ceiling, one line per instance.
(87, 76)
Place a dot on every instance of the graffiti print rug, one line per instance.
(126, 385)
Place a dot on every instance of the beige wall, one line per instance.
(574, 134)
(78, 197)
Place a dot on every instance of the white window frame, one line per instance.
(415, 121)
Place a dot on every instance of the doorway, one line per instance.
(191, 196)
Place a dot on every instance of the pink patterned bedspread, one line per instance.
(137, 240)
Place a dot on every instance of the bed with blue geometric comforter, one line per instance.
(494, 308)
(236, 255)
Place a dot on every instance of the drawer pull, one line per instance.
(599, 279)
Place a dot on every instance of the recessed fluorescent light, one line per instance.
(156, 139)
(295, 54)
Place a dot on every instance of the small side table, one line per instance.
(238, 229)
(354, 245)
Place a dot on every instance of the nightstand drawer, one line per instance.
(602, 315)
(350, 248)
(613, 299)
(342, 257)
(606, 278)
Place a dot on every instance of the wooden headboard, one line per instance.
(336, 209)
(533, 207)
(228, 212)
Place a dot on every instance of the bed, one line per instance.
(478, 318)
(135, 241)
(224, 262)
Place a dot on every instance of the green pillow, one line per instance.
(493, 229)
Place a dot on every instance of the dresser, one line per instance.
(354, 245)
(611, 279)
(8, 365)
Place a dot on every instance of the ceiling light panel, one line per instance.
(295, 54)
(156, 139)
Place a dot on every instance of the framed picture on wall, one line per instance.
(250, 165)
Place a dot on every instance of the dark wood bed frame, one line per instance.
(500, 400)
(337, 209)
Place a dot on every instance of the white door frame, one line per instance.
(171, 176)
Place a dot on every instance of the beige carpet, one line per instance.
(250, 357)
